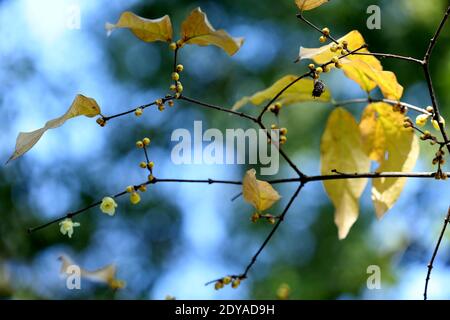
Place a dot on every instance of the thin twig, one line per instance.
(312, 25)
(389, 55)
(426, 70)
(372, 100)
(435, 252)
(211, 106)
(272, 232)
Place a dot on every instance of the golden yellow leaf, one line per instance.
(392, 146)
(309, 4)
(386, 80)
(147, 30)
(106, 275)
(81, 105)
(298, 92)
(365, 70)
(341, 149)
(196, 29)
(258, 193)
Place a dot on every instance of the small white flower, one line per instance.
(108, 206)
(67, 225)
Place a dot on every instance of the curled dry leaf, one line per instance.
(148, 30)
(394, 147)
(259, 194)
(341, 149)
(196, 29)
(298, 92)
(81, 106)
(106, 275)
(366, 70)
(309, 4)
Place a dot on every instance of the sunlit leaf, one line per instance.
(309, 4)
(366, 70)
(298, 92)
(392, 146)
(81, 105)
(147, 30)
(342, 150)
(196, 29)
(106, 274)
(258, 193)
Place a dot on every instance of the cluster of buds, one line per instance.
(283, 132)
(341, 48)
(325, 34)
(177, 87)
(426, 135)
(268, 217)
(135, 198)
(275, 108)
(235, 281)
(440, 175)
(160, 104)
(143, 144)
(439, 158)
(407, 123)
(176, 45)
(399, 107)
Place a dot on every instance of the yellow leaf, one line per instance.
(81, 105)
(342, 150)
(365, 70)
(148, 30)
(309, 4)
(393, 147)
(258, 193)
(298, 92)
(386, 80)
(106, 275)
(196, 29)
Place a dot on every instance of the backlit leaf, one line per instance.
(196, 29)
(309, 4)
(258, 193)
(342, 150)
(298, 92)
(392, 146)
(81, 105)
(147, 30)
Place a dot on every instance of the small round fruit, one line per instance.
(173, 46)
(323, 39)
(175, 76)
(138, 112)
(146, 141)
(179, 68)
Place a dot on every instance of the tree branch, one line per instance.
(371, 100)
(210, 106)
(436, 249)
(426, 70)
(389, 55)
